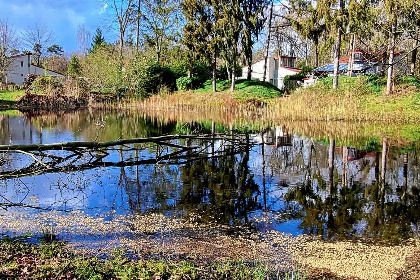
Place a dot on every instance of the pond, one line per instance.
(286, 177)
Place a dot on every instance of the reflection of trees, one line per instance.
(393, 213)
(342, 207)
(221, 188)
(217, 183)
(328, 215)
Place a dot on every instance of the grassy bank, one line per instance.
(8, 99)
(315, 259)
(357, 99)
(244, 90)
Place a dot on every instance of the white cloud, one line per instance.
(61, 16)
(103, 9)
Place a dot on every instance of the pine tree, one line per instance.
(74, 68)
(201, 34)
(98, 40)
(253, 23)
(308, 22)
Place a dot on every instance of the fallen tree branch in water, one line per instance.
(5, 206)
(88, 155)
(96, 145)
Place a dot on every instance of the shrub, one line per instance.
(101, 68)
(221, 73)
(184, 83)
(179, 68)
(47, 85)
(154, 76)
(291, 81)
(408, 80)
(201, 73)
(76, 87)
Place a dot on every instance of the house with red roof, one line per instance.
(21, 66)
(277, 69)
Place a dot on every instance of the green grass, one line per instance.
(11, 113)
(9, 98)
(244, 89)
(12, 96)
(19, 259)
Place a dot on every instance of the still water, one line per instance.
(262, 177)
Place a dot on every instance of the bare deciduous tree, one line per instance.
(160, 23)
(37, 38)
(126, 13)
(83, 39)
(8, 43)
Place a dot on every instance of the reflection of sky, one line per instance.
(158, 187)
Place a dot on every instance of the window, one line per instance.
(276, 64)
(21, 64)
(358, 57)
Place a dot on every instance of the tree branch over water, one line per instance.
(88, 155)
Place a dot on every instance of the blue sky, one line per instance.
(62, 17)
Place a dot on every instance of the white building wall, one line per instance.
(258, 70)
(276, 77)
(282, 73)
(20, 68)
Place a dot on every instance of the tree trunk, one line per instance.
(414, 53)
(337, 58)
(121, 43)
(232, 85)
(249, 58)
(138, 26)
(389, 80)
(337, 48)
(228, 71)
(351, 57)
(316, 43)
(268, 39)
(214, 71)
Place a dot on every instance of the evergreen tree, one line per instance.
(231, 25)
(74, 69)
(253, 23)
(308, 22)
(200, 33)
(98, 40)
(55, 50)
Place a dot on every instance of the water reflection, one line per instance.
(265, 178)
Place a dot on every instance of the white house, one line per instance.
(21, 67)
(277, 69)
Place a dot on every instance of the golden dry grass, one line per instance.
(320, 103)
(357, 260)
